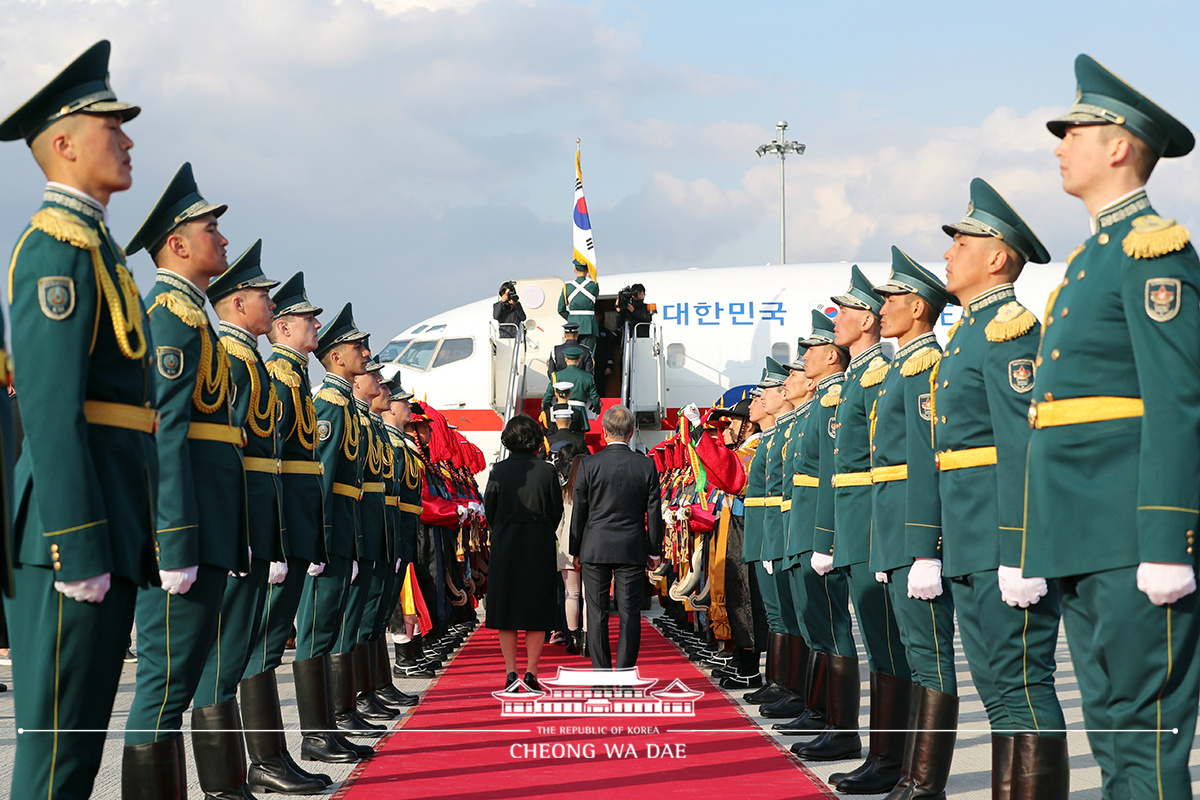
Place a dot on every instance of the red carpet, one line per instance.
(457, 743)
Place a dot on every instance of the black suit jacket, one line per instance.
(617, 513)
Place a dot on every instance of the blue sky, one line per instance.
(409, 155)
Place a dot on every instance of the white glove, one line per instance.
(316, 569)
(477, 507)
(177, 581)
(1018, 591)
(767, 566)
(881, 577)
(398, 566)
(462, 514)
(925, 578)
(822, 563)
(1165, 583)
(277, 572)
(88, 590)
(692, 413)
(353, 570)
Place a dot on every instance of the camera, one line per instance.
(513, 297)
(625, 297)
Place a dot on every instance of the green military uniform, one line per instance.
(88, 438)
(201, 489)
(981, 396)
(254, 398)
(583, 394)
(577, 304)
(907, 519)
(1113, 460)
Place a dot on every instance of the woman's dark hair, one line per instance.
(569, 486)
(509, 285)
(522, 434)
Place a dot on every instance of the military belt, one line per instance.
(304, 467)
(391, 500)
(851, 479)
(346, 490)
(374, 487)
(786, 505)
(896, 472)
(272, 465)
(212, 432)
(1078, 410)
(772, 501)
(121, 415)
(805, 480)
(754, 502)
(963, 459)
(410, 508)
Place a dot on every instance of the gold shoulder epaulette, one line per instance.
(178, 304)
(920, 361)
(1011, 321)
(832, 397)
(1152, 236)
(395, 440)
(954, 328)
(238, 350)
(1074, 253)
(282, 371)
(66, 227)
(331, 395)
(876, 371)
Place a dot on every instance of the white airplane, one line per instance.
(712, 332)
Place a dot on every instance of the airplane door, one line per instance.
(647, 378)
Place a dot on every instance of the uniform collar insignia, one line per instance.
(800, 409)
(376, 417)
(393, 429)
(75, 200)
(994, 295)
(830, 380)
(241, 334)
(176, 281)
(916, 344)
(865, 356)
(290, 354)
(1120, 210)
(339, 383)
(363, 406)
(767, 431)
(782, 418)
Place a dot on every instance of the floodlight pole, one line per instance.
(781, 147)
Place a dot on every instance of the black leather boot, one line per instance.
(365, 702)
(406, 665)
(218, 750)
(153, 771)
(932, 748)
(341, 670)
(269, 770)
(811, 721)
(890, 701)
(1002, 766)
(793, 703)
(385, 690)
(314, 701)
(1041, 768)
(774, 690)
(840, 739)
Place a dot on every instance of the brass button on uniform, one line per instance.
(971, 321)
(1049, 321)
(54, 549)
(1049, 397)
(1102, 238)
(945, 384)
(956, 350)
(1054, 355)
(1079, 277)
(1037, 362)
(1064, 311)
(943, 420)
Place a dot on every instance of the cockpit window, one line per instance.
(418, 354)
(436, 328)
(417, 329)
(393, 350)
(454, 350)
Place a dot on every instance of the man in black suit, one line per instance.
(616, 526)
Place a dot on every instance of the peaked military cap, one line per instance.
(909, 277)
(571, 326)
(989, 214)
(563, 412)
(563, 386)
(180, 203)
(373, 365)
(1101, 98)
(579, 265)
(291, 298)
(340, 331)
(82, 87)
(773, 375)
(573, 351)
(393, 385)
(860, 294)
(822, 330)
(245, 273)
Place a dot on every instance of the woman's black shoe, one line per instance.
(531, 682)
(510, 679)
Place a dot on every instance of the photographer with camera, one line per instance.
(631, 308)
(508, 310)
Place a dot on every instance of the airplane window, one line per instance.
(676, 355)
(417, 329)
(393, 350)
(781, 352)
(418, 354)
(434, 328)
(454, 350)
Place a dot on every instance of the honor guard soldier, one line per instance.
(752, 504)
(577, 304)
(201, 498)
(906, 537)
(1008, 623)
(856, 328)
(583, 390)
(1113, 456)
(293, 336)
(76, 565)
(832, 683)
(240, 298)
(563, 417)
(558, 361)
(326, 609)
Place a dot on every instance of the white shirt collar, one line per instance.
(84, 196)
(623, 444)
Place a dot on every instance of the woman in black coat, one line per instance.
(523, 502)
